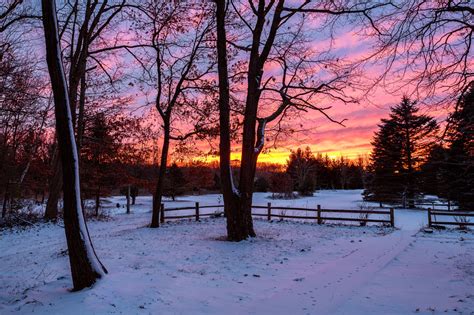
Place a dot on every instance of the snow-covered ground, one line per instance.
(186, 267)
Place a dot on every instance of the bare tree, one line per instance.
(276, 40)
(172, 51)
(23, 107)
(425, 47)
(85, 266)
(12, 12)
(83, 26)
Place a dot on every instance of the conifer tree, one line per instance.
(401, 146)
(458, 170)
(432, 170)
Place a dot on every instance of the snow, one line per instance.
(291, 267)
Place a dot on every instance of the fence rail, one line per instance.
(418, 204)
(460, 218)
(318, 214)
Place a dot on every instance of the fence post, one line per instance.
(197, 211)
(162, 213)
(429, 217)
(392, 218)
(269, 211)
(449, 205)
(319, 215)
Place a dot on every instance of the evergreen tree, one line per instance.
(431, 171)
(458, 171)
(100, 152)
(400, 147)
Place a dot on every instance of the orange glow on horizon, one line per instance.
(280, 156)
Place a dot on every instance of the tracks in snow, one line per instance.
(353, 271)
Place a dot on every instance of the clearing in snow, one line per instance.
(187, 267)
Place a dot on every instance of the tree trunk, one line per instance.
(158, 196)
(128, 199)
(236, 226)
(85, 266)
(97, 201)
(410, 180)
(55, 188)
(6, 197)
(80, 118)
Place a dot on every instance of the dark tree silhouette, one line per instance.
(401, 146)
(458, 169)
(85, 23)
(175, 183)
(174, 64)
(281, 185)
(301, 166)
(272, 35)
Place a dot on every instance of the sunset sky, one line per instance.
(325, 137)
(321, 135)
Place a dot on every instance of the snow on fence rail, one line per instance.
(317, 214)
(450, 218)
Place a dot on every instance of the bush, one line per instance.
(281, 185)
(261, 185)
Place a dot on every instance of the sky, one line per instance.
(317, 132)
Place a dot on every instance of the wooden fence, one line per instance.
(418, 204)
(460, 218)
(318, 216)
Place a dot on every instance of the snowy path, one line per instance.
(354, 270)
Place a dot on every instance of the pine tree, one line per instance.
(401, 146)
(458, 170)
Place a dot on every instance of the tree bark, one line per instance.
(85, 266)
(237, 229)
(158, 196)
(6, 197)
(410, 180)
(80, 118)
(128, 199)
(76, 77)
(55, 188)
(97, 201)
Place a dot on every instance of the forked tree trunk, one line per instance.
(237, 223)
(85, 266)
(158, 196)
